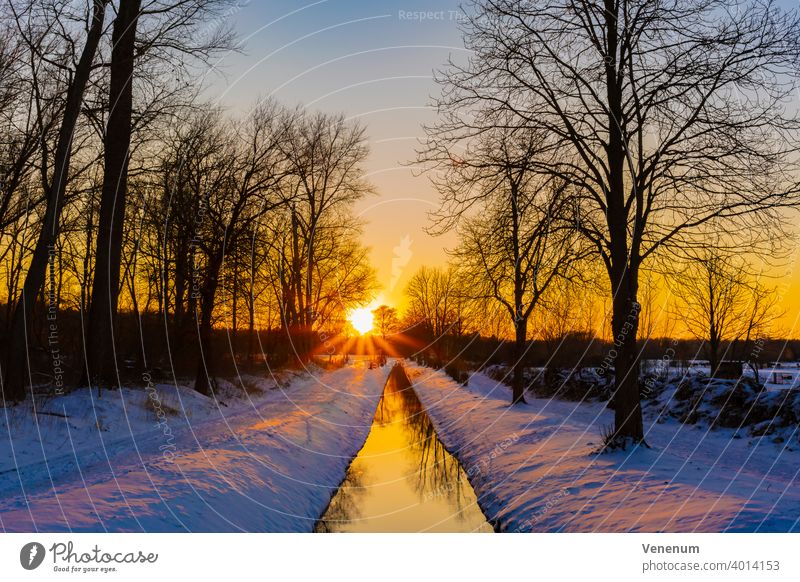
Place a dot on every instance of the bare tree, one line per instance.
(101, 364)
(16, 364)
(710, 293)
(518, 242)
(669, 120)
(436, 303)
(10, 53)
(325, 155)
(258, 286)
(723, 304)
(566, 311)
(761, 312)
(140, 204)
(653, 314)
(342, 277)
(386, 320)
(162, 23)
(248, 167)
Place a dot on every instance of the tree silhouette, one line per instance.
(668, 120)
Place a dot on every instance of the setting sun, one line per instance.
(361, 320)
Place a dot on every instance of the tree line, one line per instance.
(708, 308)
(136, 219)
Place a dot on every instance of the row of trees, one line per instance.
(127, 200)
(709, 298)
(621, 130)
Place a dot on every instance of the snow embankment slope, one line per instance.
(269, 460)
(533, 469)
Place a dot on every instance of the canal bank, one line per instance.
(267, 461)
(533, 468)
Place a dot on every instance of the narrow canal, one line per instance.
(403, 479)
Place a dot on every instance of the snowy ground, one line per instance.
(533, 469)
(165, 458)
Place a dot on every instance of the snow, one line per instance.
(533, 466)
(775, 377)
(267, 455)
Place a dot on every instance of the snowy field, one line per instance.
(267, 456)
(533, 468)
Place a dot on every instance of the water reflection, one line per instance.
(403, 479)
(344, 506)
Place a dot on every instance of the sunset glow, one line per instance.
(361, 320)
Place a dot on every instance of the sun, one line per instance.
(361, 320)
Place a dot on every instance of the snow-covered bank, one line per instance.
(268, 459)
(532, 468)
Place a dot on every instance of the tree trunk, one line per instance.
(300, 343)
(308, 302)
(87, 266)
(713, 355)
(518, 380)
(623, 261)
(625, 322)
(235, 310)
(520, 321)
(17, 369)
(251, 305)
(101, 362)
(179, 286)
(205, 365)
(251, 339)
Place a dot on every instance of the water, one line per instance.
(403, 479)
